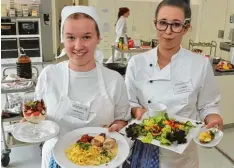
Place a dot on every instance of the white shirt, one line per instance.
(51, 82)
(185, 66)
(84, 83)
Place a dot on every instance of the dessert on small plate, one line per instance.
(208, 137)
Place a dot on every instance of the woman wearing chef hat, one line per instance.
(81, 92)
(121, 30)
(174, 76)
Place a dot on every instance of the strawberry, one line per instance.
(36, 113)
(27, 114)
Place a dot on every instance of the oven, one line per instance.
(8, 27)
(31, 46)
(9, 48)
(28, 27)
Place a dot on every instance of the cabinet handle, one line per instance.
(10, 50)
(7, 23)
(29, 39)
(8, 39)
(31, 49)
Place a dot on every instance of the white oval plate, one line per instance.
(48, 129)
(70, 138)
(214, 142)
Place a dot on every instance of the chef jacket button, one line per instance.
(151, 65)
(149, 101)
(151, 81)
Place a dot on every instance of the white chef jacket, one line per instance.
(121, 28)
(198, 96)
(109, 104)
(51, 83)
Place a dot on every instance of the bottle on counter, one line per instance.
(23, 64)
(121, 43)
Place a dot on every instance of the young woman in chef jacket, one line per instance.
(180, 79)
(121, 30)
(81, 92)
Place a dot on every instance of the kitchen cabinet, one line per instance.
(213, 19)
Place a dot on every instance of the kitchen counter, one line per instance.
(217, 73)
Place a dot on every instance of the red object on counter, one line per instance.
(131, 44)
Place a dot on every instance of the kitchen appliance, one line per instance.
(31, 46)
(22, 32)
(28, 27)
(229, 46)
(9, 48)
(8, 27)
(232, 56)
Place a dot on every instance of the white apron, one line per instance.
(161, 88)
(101, 113)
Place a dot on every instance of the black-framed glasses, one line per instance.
(176, 27)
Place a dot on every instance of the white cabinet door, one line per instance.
(142, 18)
(107, 15)
(213, 20)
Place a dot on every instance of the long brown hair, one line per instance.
(122, 11)
(183, 4)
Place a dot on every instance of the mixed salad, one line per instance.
(162, 128)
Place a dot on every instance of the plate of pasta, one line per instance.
(91, 147)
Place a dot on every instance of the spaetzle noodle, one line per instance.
(92, 156)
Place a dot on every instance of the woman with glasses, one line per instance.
(169, 74)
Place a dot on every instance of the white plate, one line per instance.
(214, 142)
(72, 137)
(174, 147)
(48, 129)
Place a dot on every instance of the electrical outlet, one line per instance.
(221, 34)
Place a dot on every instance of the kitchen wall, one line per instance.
(46, 31)
(57, 6)
(140, 24)
(208, 17)
(194, 2)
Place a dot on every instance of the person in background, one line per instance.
(121, 30)
(180, 79)
(81, 82)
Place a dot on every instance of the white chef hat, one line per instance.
(88, 10)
